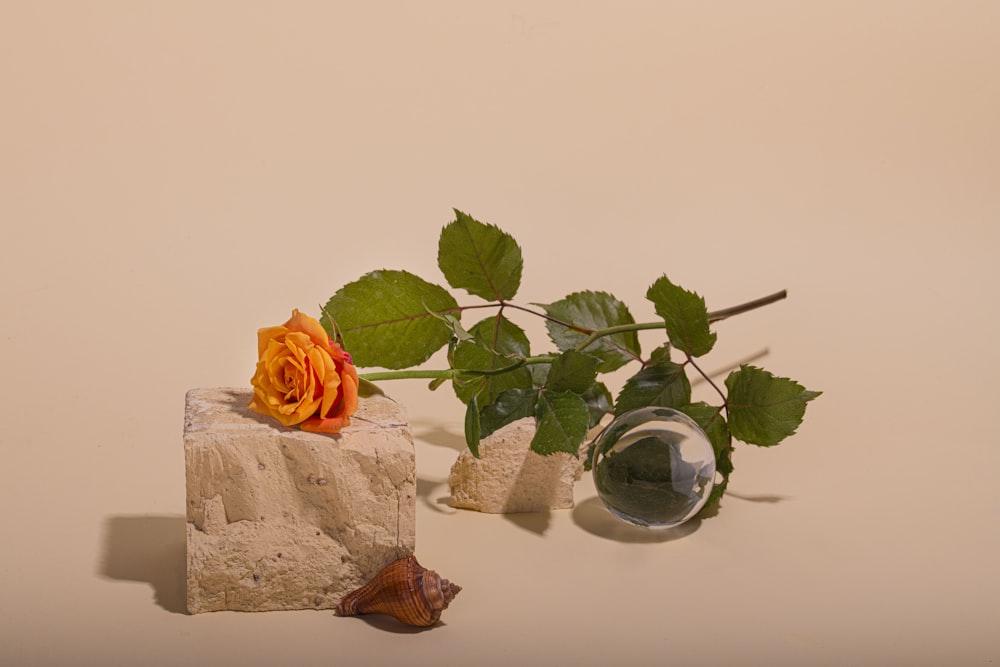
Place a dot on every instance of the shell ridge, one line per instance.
(403, 589)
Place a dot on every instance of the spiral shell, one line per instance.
(404, 590)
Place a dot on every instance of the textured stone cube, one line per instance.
(509, 478)
(279, 518)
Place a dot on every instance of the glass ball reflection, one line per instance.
(653, 467)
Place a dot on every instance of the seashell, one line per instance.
(404, 590)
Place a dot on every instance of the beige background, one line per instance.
(174, 175)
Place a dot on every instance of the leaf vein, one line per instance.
(401, 320)
(482, 263)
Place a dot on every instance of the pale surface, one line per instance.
(282, 519)
(175, 175)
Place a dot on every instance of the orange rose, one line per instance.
(303, 377)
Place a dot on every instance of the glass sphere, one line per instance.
(653, 467)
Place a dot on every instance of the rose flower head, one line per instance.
(303, 378)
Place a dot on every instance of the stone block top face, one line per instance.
(227, 409)
(280, 518)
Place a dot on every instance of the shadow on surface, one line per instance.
(390, 624)
(429, 492)
(151, 549)
(533, 522)
(594, 517)
(756, 498)
(438, 435)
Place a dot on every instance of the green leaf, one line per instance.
(664, 385)
(685, 315)
(511, 405)
(367, 389)
(458, 332)
(467, 386)
(711, 421)
(764, 409)
(480, 258)
(384, 319)
(330, 326)
(660, 354)
(599, 402)
(592, 311)
(499, 344)
(539, 373)
(562, 421)
(572, 371)
(711, 505)
(472, 426)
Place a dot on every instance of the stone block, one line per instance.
(279, 518)
(509, 477)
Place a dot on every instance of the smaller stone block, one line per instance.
(279, 518)
(509, 477)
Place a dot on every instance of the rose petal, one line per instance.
(329, 425)
(349, 391)
(300, 322)
(304, 378)
(266, 336)
(323, 367)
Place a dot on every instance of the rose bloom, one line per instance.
(303, 377)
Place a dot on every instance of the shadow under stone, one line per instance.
(533, 522)
(150, 549)
(438, 435)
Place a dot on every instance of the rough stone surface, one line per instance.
(279, 518)
(509, 477)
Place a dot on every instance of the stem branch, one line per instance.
(451, 373)
(714, 316)
(709, 380)
(717, 315)
(621, 328)
(417, 374)
(546, 316)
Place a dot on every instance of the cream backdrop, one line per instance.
(174, 175)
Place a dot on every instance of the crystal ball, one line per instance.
(653, 467)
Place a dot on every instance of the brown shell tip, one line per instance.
(450, 591)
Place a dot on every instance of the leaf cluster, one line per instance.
(396, 320)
